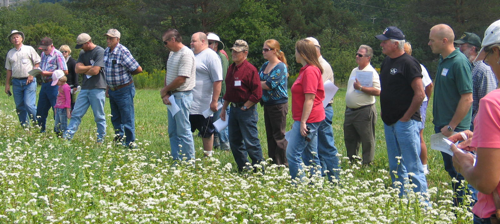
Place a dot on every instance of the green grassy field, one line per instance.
(44, 179)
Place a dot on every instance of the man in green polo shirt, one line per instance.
(452, 93)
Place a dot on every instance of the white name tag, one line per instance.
(444, 72)
(237, 83)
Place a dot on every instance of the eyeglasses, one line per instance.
(488, 51)
(64, 52)
(266, 49)
(211, 42)
(165, 42)
(359, 55)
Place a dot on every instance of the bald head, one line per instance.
(441, 39)
(443, 31)
(199, 42)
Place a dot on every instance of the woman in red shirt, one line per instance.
(307, 110)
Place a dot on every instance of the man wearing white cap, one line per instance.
(19, 61)
(119, 66)
(90, 63)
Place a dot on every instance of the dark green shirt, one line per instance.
(225, 65)
(453, 78)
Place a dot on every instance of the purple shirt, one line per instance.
(51, 62)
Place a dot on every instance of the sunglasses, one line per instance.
(165, 42)
(211, 42)
(64, 52)
(360, 55)
(266, 49)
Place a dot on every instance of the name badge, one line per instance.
(92, 62)
(237, 82)
(444, 72)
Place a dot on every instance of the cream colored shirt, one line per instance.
(21, 61)
(327, 71)
(355, 98)
(182, 63)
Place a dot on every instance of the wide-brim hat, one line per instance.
(214, 37)
(491, 36)
(16, 32)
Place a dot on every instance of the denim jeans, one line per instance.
(61, 120)
(478, 220)
(301, 151)
(244, 137)
(46, 99)
(121, 102)
(94, 98)
(179, 128)
(448, 166)
(327, 151)
(403, 141)
(223, 134)
(25, 99)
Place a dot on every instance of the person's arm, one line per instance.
(137, 71)
(365, 89)
(416, 102)
(80, 68)
(306, 111)
(255, 88)
(223, 111)
(171, 87)
(7, 81)
(428, 90)
(264, 86)
(462, 109)
(215, 96)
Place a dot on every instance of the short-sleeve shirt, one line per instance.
(208, 71)
(453, 78)
(396, 95)
(277, 81)
(94, 57)
(118, 66)
(243, 83)
(225, 65)
(426, 79)
(51, 62)
(327, 71)
(63, 97)
(21, 61)
(182, 63)
(486, 132)
(355, 98)
(483, 82)
(309, 81)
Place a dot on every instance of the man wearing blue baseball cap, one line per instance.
(400, 99)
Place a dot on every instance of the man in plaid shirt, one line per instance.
(119, 66)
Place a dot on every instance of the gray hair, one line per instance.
(401, 43)
(369, 50)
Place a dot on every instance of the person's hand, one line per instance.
(68, 114)
(7, 88)
(303, 129)
(403, 119)
(107, 94)
(165, 99)
(465, 144)
(213, 106)
(461, 160)
(356, 84)
(29, 80)
(446, 132)
(223, 114)
(46, 73)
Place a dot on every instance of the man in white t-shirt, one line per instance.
(206, 91)
(179, 82)
(360, 113)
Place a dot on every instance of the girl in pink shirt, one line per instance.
(63, 106)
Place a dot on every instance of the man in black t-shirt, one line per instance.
(400, 99)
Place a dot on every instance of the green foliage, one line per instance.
(156, 79)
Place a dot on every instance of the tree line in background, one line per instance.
(339, 25)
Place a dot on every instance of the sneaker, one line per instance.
(225, 146)
(426, 171)
(208, 153)
(133, 145)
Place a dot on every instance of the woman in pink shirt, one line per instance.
(307, 110)
(484, 175)
(63, 102)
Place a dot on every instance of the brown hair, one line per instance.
(307, 51)
(275, 45)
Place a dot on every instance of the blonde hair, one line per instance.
(408, 49)
(63, 79)
(307, 51)
(65, 48)
(275, 45)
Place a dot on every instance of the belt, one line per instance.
(359, 108)
(121, 86)
(20, 78)
(237, 104)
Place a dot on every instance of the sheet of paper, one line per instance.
(439, 142)
(330, 91)
(88, 76)
(208, 112)
(220, 124)
(173, 108)
(365, 78)
(287, 135)
(35, 72)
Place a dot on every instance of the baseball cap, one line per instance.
(214, 37)
(82, 39)
(240, 45)
(56, 75)
(113, 33)
(391, 32)
(491, 36)
(315, 42)
(45, 42)
(469, 38)
(16, 32)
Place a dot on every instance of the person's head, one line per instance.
(199, 42)
(490, 51)
(84, 42)
(65, 50)
(112, 38)
(46, 45)
(16, 37)
(441, 39)
(62, 81)
(239, 51)
(272, 49)
(469, 44)
(214, 42)
(56, 75)
(393, 41)
(305, 53)
(316, 44)
(172, 39)
(363, 56)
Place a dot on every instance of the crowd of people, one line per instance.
(201, 87)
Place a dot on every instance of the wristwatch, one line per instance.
(450, 129)
(245, 107)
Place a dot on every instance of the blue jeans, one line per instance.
(61, 120)
(121, 102)
(46, 99)
(88, 97)
(478, 220)
(403, 140)
(223, 134)
(25, 99)
(299, 150)
(327, 151)
(448, 166)
(179, 128)
(244, 137)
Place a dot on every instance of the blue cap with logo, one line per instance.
(391, 32)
